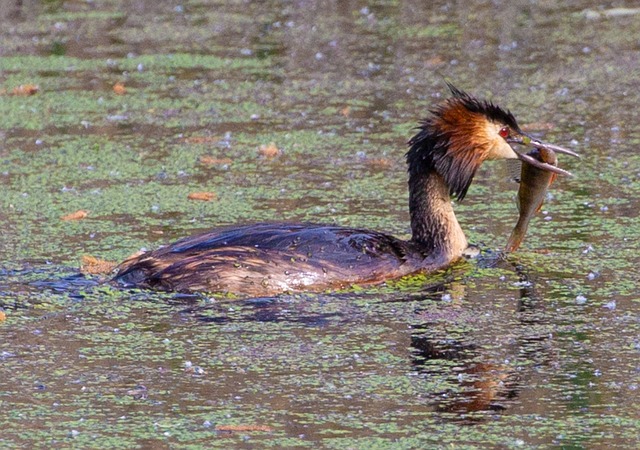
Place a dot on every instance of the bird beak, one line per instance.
(523, 139)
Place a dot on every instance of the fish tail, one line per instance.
(517, 236)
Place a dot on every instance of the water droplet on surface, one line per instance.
(610, 305)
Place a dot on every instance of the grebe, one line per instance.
(267, 259)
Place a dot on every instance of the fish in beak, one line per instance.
(534, 182)
(523, 139)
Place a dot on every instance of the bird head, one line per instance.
(463, 132)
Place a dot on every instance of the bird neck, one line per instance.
(433, 223)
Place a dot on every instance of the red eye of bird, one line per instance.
(504, 132)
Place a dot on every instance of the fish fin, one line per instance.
(513, 168)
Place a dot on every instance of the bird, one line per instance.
(267, 259)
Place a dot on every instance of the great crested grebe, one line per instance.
(267, 259)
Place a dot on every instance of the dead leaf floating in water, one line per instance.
(119, 89)
(91, 265)
(25, 90)
(202, 139)
(379, 163)
(203, 196)
(211, 161)
(78, 215)
(269, 151)
(435, 61)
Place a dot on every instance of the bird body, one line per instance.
(264, 259)
(267, 259)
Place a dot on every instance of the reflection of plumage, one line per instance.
(266, 259)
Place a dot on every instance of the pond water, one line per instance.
(135, 105)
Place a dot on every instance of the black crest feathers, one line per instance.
(487, 108)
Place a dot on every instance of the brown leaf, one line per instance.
(25, 89)
(3, 316)
(202, 139)
(244, 427)
(346, 111)
(78, 215)
(204, 196)
(90, 265)
(211, 161)
(435, 61)
(119, 89)
(269, 151)
(379, 163)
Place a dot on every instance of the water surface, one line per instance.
(539, 350)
